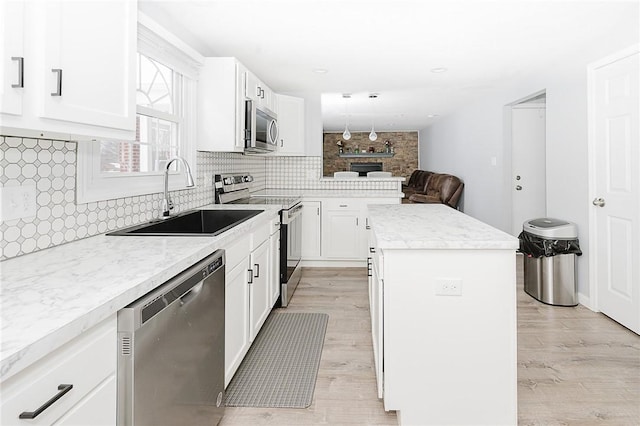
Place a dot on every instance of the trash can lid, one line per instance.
(547, 227)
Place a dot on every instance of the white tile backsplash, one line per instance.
(50, 167)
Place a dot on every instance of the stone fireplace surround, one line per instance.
(401, 164)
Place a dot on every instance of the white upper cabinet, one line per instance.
(12, 55)
(260, 93)
(221, 113)
(79, 67)
(291, 125)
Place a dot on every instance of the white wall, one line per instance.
(462, 143)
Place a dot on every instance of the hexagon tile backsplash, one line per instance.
(50, 167)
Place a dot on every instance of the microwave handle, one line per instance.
(274, 138)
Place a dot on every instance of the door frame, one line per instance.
(508, 154)
(592, 301)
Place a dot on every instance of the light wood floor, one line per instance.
(575, 367)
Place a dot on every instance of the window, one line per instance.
(165, 128)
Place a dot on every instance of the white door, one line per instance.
(528, 181)
(615, 165)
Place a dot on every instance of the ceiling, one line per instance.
(390, 48)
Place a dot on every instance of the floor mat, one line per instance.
(281, 367)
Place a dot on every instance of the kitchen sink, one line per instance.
(205, 223)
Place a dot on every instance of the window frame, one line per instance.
(93, 185)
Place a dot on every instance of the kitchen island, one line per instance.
(442, 291)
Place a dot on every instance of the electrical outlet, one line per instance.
(17, 202)
(448, 287)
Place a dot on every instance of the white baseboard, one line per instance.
(586, 302)
(324, 263)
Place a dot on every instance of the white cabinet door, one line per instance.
(259, 289)
(220, 101)
(253, 90)
(86, 365)
(274, 265)
(341, 231)
(236, 318)
(12, 56)
(96, 409)
(311, 226)
(88, 68)
(376, 306)
(291, 125)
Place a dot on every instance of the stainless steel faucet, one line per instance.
(167, 204)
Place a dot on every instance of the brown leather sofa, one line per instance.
(416, 183)
(439, 188)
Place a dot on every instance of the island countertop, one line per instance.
(433, 226)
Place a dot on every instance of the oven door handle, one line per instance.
(290, 215)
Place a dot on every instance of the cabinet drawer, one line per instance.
(274, 225)
(341, 204)
(237, 252)
(260, 235)
(85, 362)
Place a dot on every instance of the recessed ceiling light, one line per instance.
(438, 70)
(432, 115)
(320, 71)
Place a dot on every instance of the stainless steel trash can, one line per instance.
(551, 278)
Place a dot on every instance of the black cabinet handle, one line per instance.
(369, 271)
(20, 83)
(33, 414)
(58, 91)
(257, 275)
(372, 249)
(250, 271)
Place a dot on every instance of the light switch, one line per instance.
(17, 202)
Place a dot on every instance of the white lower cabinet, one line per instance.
(341, 230)
(236, 316)
(249, 293)
(344, 227)
(86, 366)
(311, 227)
(259, 289)
(376, 308)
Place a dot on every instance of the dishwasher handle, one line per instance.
(191, 294)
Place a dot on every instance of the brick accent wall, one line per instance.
(403, 163)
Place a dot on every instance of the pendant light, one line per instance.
(373, 135)
(346, 135)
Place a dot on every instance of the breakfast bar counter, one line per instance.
(442, 293)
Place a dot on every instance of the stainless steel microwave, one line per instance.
(261, 129)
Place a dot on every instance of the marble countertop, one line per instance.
(433, 226)
(366, 179)
(351, 193)
(49, 297)
(330, 193)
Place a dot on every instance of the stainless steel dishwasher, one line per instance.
(171, 350)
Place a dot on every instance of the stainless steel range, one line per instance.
(235, 188)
